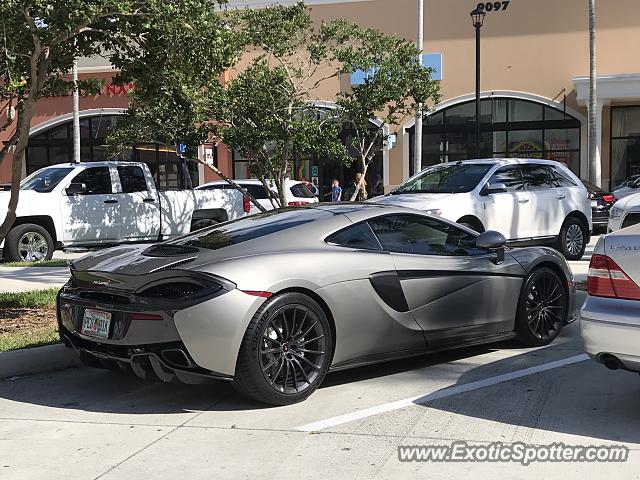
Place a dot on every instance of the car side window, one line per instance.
(356, 236)
(510, 176)
(536, 177)
(96, 179)
(559, 179)
(423, 236)
(257, 191)
(132, 179)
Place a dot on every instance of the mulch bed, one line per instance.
(24, 320)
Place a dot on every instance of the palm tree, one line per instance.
(594, 166)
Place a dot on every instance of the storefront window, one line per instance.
(625, 144)
(55, 146)
(509, 128)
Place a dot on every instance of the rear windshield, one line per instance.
(300, 190)
(248, 228)
(446, 178)
(45, 180)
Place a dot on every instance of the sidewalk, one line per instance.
(22, 279)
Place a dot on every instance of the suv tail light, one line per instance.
(295, 204)
(609, 197)
(607, 279)
(246, 204)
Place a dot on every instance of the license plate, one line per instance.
(96, 323)
(594, 203)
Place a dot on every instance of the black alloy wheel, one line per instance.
(542, 308)
(293, 349)
(286, 351)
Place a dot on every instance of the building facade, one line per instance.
(534, 89)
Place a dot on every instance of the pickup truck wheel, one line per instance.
(28, 243)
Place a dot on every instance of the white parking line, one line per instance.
(438, 394)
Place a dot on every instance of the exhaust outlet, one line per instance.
(176, 357)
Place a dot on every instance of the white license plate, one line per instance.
(96, 323)
(594, 203)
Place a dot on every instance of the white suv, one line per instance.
(529, 201)
(296, 192)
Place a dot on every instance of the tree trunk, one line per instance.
(594, 166)
(22, 130)
(360, 184)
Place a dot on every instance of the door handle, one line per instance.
(523, 200)
(111, 201)
(561, 196)
(147, 200)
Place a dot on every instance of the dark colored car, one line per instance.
(601, 203)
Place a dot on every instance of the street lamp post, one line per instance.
(477, 16)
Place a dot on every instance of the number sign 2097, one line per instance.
(494, 6)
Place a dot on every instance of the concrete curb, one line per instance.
(37, 360)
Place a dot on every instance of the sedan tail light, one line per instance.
(246, 204)
(295, 204)
(607, 279)
(609, 197)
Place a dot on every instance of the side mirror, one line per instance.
(490, 188)
(76, 189)
(632, 184)
(492, 241)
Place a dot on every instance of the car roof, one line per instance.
(505, 161)
(106, 163)
(244, 181)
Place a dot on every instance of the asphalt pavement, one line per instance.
(82, 423)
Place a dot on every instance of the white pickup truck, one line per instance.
(105, 203)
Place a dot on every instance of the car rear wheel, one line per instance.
(285, 352)
(572, 240)
(542, 308)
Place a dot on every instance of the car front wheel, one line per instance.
(572, 240)
(542, 308)
(28, 243)
(285, 352)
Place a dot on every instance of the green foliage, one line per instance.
(31, 299)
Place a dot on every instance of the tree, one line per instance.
(266, 112)
(394, 87)
(140, 37)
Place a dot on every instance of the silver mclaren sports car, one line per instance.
(273, 302)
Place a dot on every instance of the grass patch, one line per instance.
(38, 338)
(44, 263)
(28, 319)
(32, 299)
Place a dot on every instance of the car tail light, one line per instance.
(609, 197)
(607, 279)
(246, 204)
(295, 204)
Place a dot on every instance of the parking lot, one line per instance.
(84, 423)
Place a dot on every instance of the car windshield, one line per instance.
(447, 178)
(45, 180)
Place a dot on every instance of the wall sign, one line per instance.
(494, 6)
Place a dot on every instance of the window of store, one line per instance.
(510, 127)
(625, 144)
(55, 145)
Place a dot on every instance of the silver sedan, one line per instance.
(610, 318)
(274, 301)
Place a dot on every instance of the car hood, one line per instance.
(4, 203)
(632, 201)
(419, 201)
